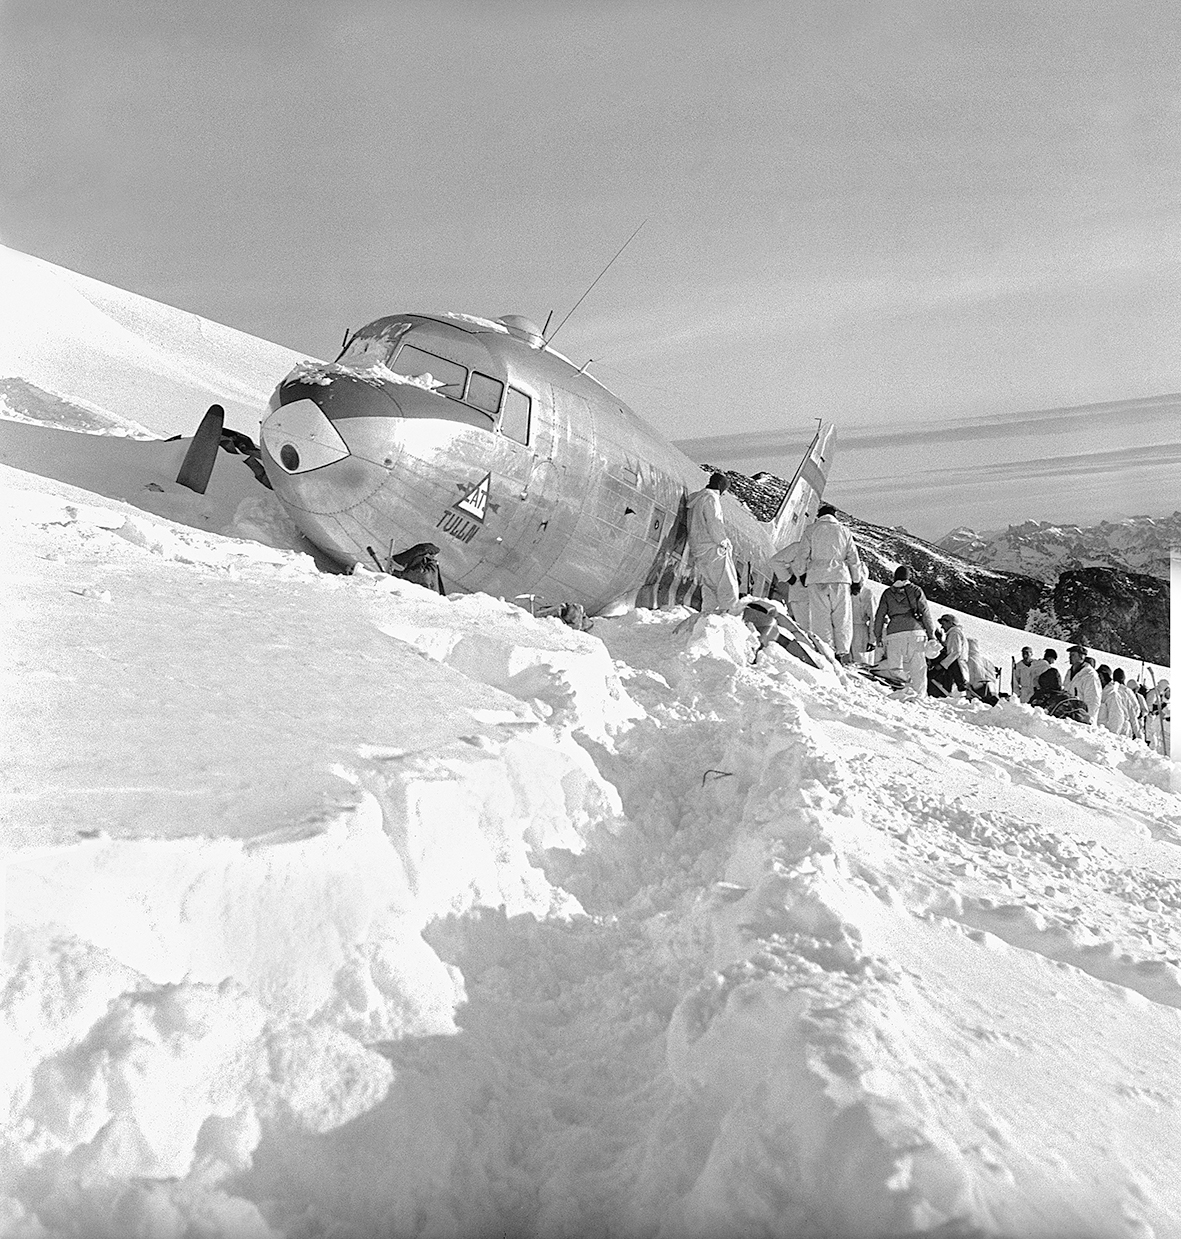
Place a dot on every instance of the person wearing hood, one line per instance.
(1130, 701)
(828, 563)
(711, 549)
(983, 677)
(903, 624)
(1112, 712)
(1082, 681)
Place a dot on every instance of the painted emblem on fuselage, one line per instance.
(475, 502)
(463, 519)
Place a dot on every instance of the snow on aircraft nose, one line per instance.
(300, 438)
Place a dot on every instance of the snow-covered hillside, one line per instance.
(337, 908)
(1045, 550)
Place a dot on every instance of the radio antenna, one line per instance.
(596, 280)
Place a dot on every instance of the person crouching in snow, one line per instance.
(983, 678)
(1082, 681)
(951, 666)
(903, 625)
(828, 563)
(711, 549)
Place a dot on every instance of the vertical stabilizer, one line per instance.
(803, 495)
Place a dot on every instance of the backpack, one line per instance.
(1073, 708)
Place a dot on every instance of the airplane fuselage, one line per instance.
(532, 478)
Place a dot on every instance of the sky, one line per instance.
(880, 214)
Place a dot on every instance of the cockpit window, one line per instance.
(414, 363)
(484, 392)
(365, 351)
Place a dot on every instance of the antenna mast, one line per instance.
(596, 280)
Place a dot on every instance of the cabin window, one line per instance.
(484, 392)
(414, 363)
(518, 412)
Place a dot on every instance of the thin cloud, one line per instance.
(1084, 419)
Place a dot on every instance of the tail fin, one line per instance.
(803, 495)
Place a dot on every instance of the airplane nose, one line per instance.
(300, 438)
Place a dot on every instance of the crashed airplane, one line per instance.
(533, 479)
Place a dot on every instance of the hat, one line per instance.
(826, 509)
(948, 619)
(1077, 649)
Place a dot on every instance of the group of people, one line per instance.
(822, 582)
(1103, 696)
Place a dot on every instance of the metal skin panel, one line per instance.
(591, 510)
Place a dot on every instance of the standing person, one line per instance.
(903, 623)
(828, 563)
(787, 585)
(952, 664)
(1082, 681)
(1025, 674)
(864, 645)
(1130, 701)
(1112, 712)
(711, 548)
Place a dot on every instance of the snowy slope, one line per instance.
(134, 359)
(336, 907)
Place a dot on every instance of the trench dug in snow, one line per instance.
(617, 934)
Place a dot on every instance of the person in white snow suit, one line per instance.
(952, 665)
(1082, 681)
(828, 563)
(1025, 674)
(1131, 703)
(1157, 725)
(711, 549)
(788, 589)
(983, 678)
(1112, 712)
(864, 644)
(903, 624)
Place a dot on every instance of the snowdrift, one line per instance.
(334, 907)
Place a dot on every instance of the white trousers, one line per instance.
(719, 581)
(830, 615)
(906, 654)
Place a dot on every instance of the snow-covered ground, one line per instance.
(337, 908)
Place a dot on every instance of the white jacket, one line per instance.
(1084, 684)
(828, 554)
(955, 648)
(707, 526)
(1113, 713)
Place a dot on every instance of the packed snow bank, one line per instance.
(337, 907)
